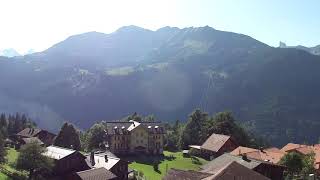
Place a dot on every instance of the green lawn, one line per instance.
(145, 164)
(3, 176)
(12, 156)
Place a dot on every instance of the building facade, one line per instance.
(135, 137)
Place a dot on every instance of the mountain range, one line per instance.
(313, 50)
(168, 72)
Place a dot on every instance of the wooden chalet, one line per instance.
(270, 170)
(33, 134)
(214, 146)
(231, 171)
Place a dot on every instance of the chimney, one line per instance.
(106, 158)
(92, 158)
(244, 157)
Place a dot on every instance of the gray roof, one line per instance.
(96, 174)
(221, 161)
(236, 171)
(176, 174)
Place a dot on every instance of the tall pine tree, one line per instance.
(68, 137)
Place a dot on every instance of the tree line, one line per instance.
(200, 126)
(13, 123)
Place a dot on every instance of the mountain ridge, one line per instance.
(168, 73)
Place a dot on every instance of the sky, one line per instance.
(39, 24)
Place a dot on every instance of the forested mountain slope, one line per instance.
(168, 73)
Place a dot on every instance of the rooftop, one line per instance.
(96, 174)
(57, 153)
(101, 162)
(215, 142)
(29, 132)
(234, 170)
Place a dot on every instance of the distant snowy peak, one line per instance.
(10, 52)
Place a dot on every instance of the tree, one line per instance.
(3, 152)
(3, 125)
(31, 158)
(96, 136)
(224, 123)
(68, 137)
(173, 136)
(293, 161)
(308, 164)
(194, 131)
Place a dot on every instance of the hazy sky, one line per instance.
(38, 24)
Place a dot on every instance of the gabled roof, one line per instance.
(57, 153)
(96, 174)
(176, 174)
(215, 165)
(291, 146)
(236, 171)
(29, 132)
(215, 142)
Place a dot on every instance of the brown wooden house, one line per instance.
(110, 162)
(69, 162)
(272, 171)
(231, 171)
(216, 145)
(46, 137)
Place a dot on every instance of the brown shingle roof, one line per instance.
(176, 174)
(96, 174)
(29, 132)
(215, 142)
(236, 171)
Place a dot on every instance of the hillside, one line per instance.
(168, 73)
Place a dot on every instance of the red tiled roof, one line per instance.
(215, 142)
(242, 150)
(269, 156)
(272, 155)
(291, 146)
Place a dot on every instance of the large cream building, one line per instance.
(135, 137)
